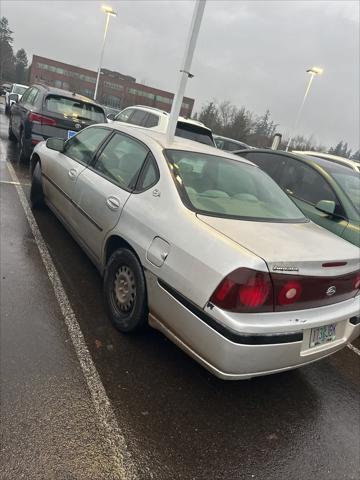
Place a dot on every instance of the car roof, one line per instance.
(329, 156)
(178, 143)
(20, 85)
(165, 114)
(66, 93)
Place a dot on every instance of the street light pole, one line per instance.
(109, 13)
(185, 70)
(313, 72)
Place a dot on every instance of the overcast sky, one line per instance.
(253, 53)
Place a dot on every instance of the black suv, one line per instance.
(45, 112)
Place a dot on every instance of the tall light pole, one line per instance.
(313, 72)
(185, 68)
(109, 13)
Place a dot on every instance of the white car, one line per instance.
(158, 120)
(202, 245)
(16, 89)
(334, 158)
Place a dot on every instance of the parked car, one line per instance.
(355, 165)
(45, 112)
(158, 120)
(14, 95)
(229, 144)
(327, 192)
(203, 245)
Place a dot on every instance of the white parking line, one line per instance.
(7, 182)
(106, 417)
(354, 349)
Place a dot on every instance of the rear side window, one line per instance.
(25, 97)
(137, 118)
(151, 120)
(74, 108)
(32, 96)
(121, 160)
(83, 145)
(194, 132)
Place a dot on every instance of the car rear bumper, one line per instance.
(240, 355)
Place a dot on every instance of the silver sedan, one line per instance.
(203, 246)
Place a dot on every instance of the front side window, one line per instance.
(228, 188)
(121, 160)
(32, 96)
(271, 163)
(83, 145)
(74, 109)
(304, 182)
(25, 97)
(124, 115)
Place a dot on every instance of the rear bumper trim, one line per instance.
(235, 337)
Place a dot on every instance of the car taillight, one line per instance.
(36, 118)
(251, 291)
(244, 290)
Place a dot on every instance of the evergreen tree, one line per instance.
(7, 61)
(21, 63)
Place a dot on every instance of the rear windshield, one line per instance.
(194, 132)
(20, 90)
(345, 177)
(227, 188)
(74, 108)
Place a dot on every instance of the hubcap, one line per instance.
(124, 288)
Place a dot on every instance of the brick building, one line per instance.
(115, 89)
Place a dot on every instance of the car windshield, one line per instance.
(74, 108)
(229, 188)
(19, 90)
(194, 132)
(346, 178)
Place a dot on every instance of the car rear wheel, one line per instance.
(36, 191)
(125, 291)
(24, 153)
(11, 133)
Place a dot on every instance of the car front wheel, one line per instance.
(125, 291)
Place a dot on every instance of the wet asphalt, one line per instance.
(178, 421)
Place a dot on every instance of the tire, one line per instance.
(24, 154)
(125, 292)
(36, 191)
(11, 134)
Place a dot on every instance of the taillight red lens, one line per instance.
(244, 290)
(357, 282)
(36, 118)
(290, 293)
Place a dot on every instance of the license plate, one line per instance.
(71, 133)
(322, 335)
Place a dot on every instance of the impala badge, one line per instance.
(331, 291)
(77, 126)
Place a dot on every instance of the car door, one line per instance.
(61, 170)
(19, 111)
(103, 189)
(306, 186)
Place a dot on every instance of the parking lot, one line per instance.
(81, 401)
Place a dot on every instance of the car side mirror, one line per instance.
(110, 116)
(326, 206)
(14, 97)
(57, 144)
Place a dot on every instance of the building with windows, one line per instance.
(115, 89)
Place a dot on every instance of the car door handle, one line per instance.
(113, 203)
(72, 173)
